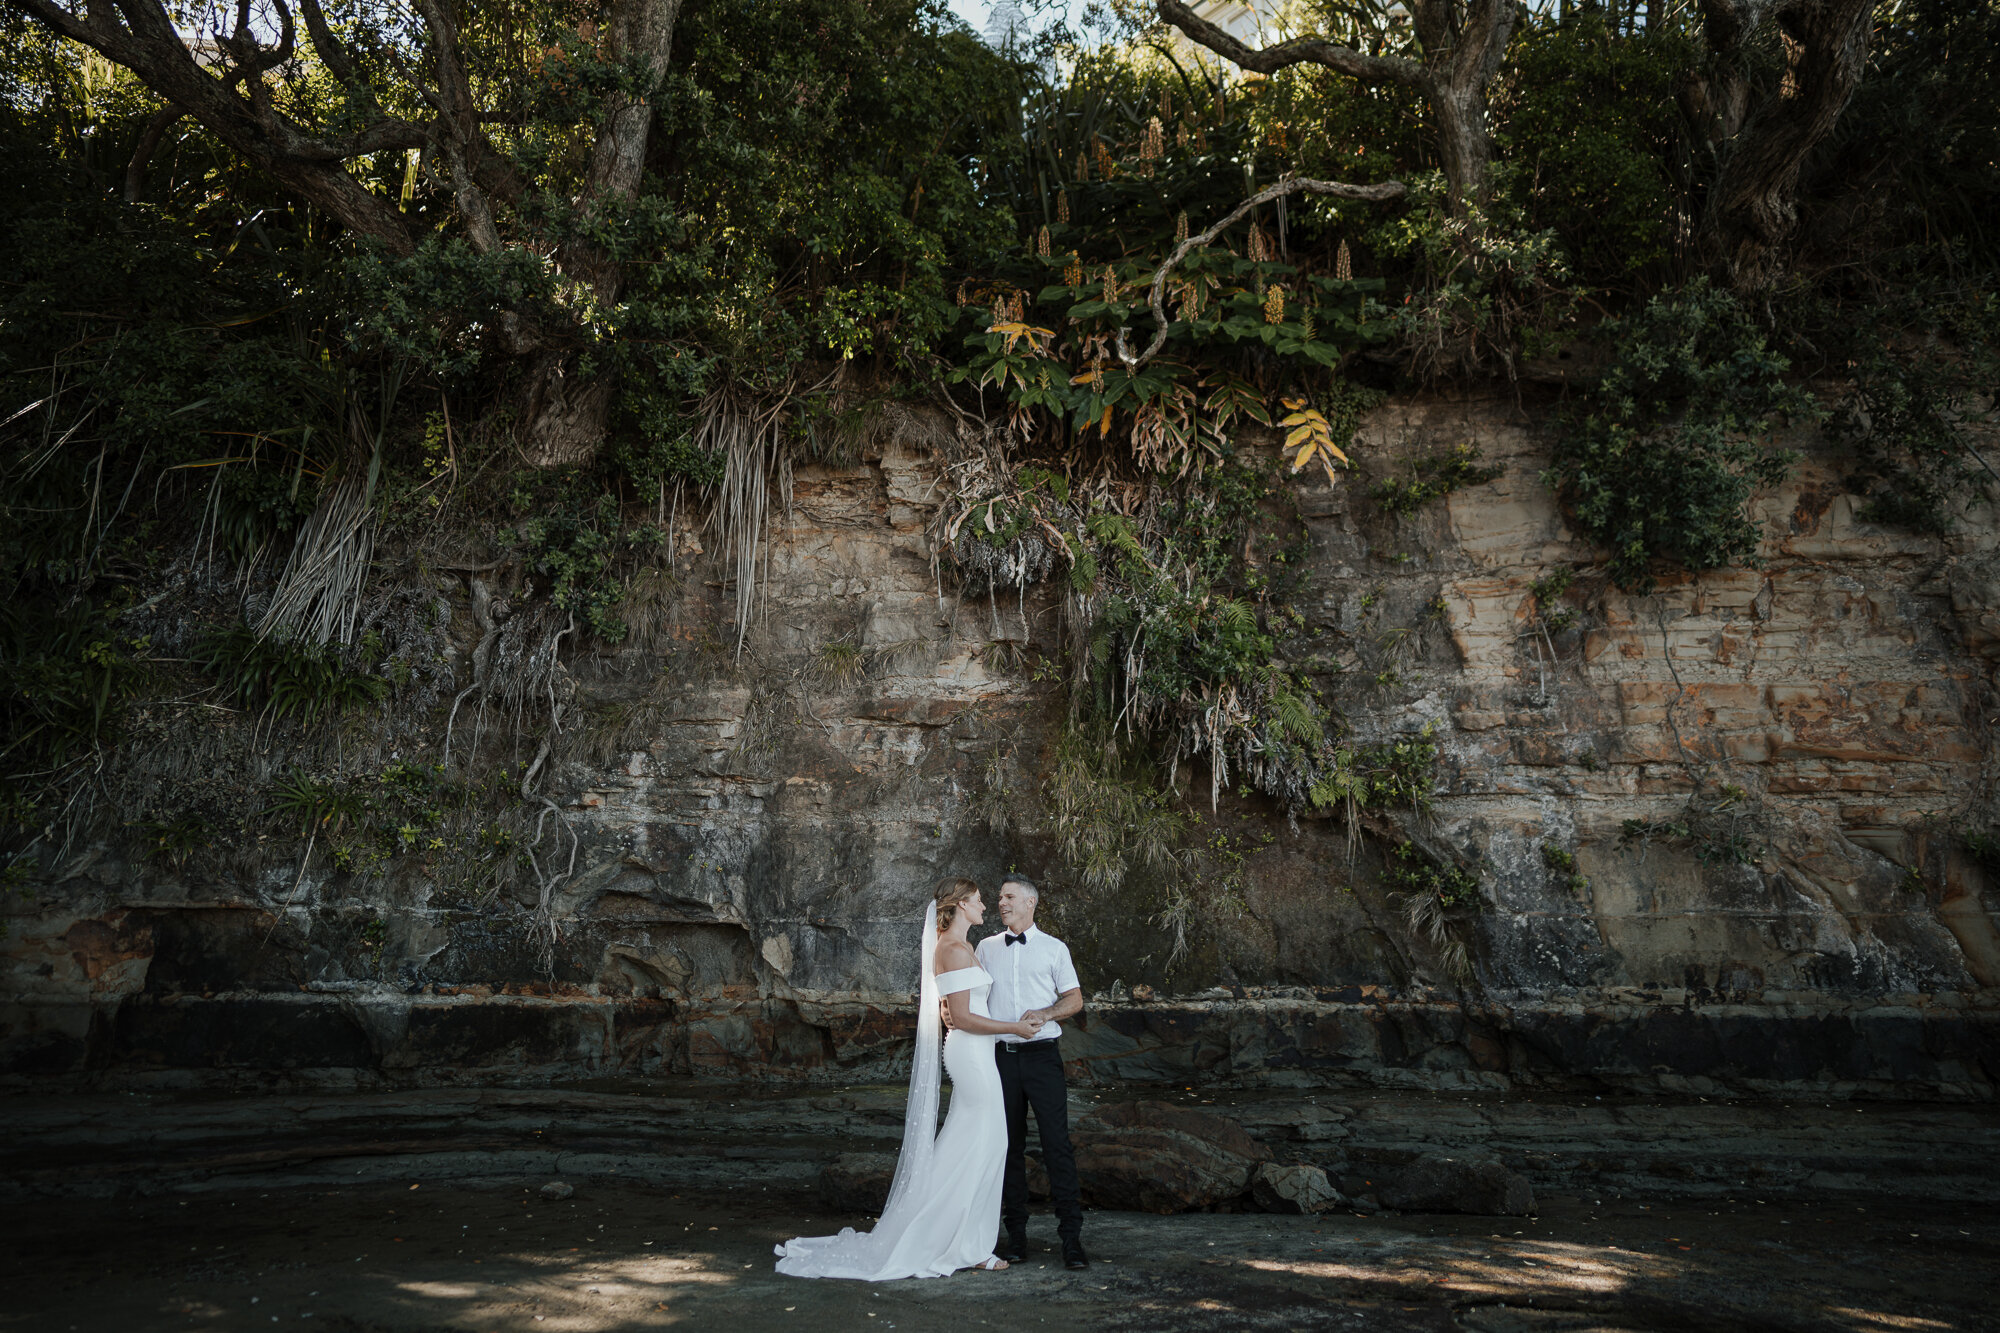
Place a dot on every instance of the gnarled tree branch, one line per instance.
(1461, 45)
(235, 106)
(1296, 185)
(1297, 51)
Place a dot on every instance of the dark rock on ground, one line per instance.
(680, 1136)
(1293, 1120)
(1159, 1158)
(857, 1182)
(1222, 1131)
(557, 1189)
(1294, 1189)
(1436, 1183)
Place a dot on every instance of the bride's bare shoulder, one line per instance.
(954, 954)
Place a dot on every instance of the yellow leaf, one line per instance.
(1292, 440)
(1304, 454)
(1104, 426)
(1334, 451)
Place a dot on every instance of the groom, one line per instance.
(1033, 979)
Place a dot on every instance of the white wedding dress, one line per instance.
(943, 1212)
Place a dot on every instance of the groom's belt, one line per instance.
(1026, 1045)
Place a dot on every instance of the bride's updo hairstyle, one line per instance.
(950, 893)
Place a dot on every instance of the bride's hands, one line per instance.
(1027, 1028)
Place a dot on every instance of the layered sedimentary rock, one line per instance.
(743, 848)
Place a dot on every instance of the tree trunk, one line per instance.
(149, 142)
(1465, 150)
(1751, 208)
(1464, 43)
(569, 412)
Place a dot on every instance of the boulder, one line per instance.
(857, 1182)
(1435, 1183)
(1294, 1189)
(1155, 1157)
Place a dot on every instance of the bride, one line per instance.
(943, 1212)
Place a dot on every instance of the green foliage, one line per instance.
(1589, 118)
(574, 542)
(173, 842)
(1189, 613)
(818, 189)
(1661, 461)
(438, 306)
(132, 349)
(286, 681)
(1189, 619)
(1920, 391)
(1717, 824)
(1395, 775)
(840, 661)
(367, 822)
(1410, 871)
(1488, 286)
(1109, 819)
(1563, 866)
(1709, 848)
(1913, 144)
(1185, 606)
(1432, 477)
(1547, 592)
(66, 675)
(1122, 160)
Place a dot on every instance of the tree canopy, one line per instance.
(291, 282)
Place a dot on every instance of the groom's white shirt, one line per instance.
(1029, 975)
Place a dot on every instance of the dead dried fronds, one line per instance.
(1428, 920)
(318, 596)
(747, 430)
(319, 593)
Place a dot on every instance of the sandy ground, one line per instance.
(378, 1257)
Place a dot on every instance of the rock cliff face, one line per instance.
(749, 845)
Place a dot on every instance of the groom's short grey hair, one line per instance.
(1034, 894)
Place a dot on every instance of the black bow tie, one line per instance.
(1021, 938)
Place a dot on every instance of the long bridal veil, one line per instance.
(863, 1254)
(913, 1166)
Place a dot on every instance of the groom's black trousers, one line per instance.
(1031, 1075)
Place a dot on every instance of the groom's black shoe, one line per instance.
(1073, 1255)
(1015, 1248)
